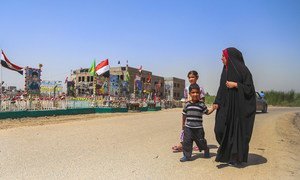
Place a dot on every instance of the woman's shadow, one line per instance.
(253, 159)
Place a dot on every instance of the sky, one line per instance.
(167, 37)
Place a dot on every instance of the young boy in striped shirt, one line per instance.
(192, 124)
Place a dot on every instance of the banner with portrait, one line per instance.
(114, 85)
(32, 80)
(102, 85)
(71, 88)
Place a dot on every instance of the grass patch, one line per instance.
(274, 98)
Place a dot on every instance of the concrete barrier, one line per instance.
(23, 114)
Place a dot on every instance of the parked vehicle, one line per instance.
(261, 103)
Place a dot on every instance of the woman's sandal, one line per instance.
(195, 148)
(175, 147)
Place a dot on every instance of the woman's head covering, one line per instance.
(235, 54)
(225, 54)
(235, 64)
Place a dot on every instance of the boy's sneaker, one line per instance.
(206, 153)
(184, 159)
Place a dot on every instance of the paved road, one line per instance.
(138, 146)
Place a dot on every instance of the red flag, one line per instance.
(7, 64)
(18, 68)
(102, 67)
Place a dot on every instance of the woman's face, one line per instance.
(193, 79)
(224, 60)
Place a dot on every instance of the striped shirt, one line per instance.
(193, 113)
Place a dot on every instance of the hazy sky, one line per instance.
(167, 37)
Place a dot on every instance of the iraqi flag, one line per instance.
(7, 64)
(103, 68)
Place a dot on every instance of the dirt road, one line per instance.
(138, 146)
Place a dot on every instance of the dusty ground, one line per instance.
(138, 146)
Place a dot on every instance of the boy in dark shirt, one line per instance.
(192, 124)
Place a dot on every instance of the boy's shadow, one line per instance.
(253, 159)
(212, 146)
(201, 155)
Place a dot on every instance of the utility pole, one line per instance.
(54, 94)
(94, 89)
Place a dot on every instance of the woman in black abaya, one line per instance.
(236, 106)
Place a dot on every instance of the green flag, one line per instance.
(127, 76)
(92, 68)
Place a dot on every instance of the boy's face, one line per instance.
(192, 79)
(195, 94)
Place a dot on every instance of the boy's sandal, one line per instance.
(175, 147)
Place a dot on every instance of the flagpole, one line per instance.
(1, 87)
(94, 82)
(94, 85)
(94, 75)
(108, 85)
(134, 86)
(94, 90)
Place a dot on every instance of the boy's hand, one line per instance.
(215, 106)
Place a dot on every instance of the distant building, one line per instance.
(9, 89)
(83, 81)
(156, 82)
(157, 85)
(120, 71)
(174, 88)
(12, 88)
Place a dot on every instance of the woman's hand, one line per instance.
(231, 84)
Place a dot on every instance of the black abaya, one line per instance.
(236, 113)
